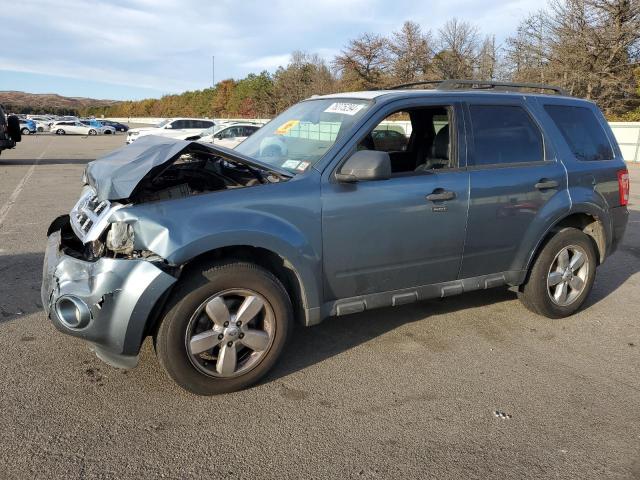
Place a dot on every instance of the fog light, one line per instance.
(73, 312)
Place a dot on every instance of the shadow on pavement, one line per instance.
(617, 269)
(48, 161)
(20, 276)
(309, 346)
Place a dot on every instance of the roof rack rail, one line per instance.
(452, 84)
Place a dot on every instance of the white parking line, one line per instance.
(4, 211)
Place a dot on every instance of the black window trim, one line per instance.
(471, 138)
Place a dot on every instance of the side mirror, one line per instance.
(365, 165)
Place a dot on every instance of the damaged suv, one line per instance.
(215, 252)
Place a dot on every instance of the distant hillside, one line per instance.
(22, 102)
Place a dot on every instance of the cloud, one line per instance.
(270, 62)
(166, 45)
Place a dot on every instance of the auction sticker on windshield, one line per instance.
(286, 126)
(345, 108)
(292, 164)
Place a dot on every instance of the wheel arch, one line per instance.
(587, 221)
(268, 259)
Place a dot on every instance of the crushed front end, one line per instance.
(102, 279)
(96, 294)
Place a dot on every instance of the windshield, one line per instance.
(300, 136)
(163, 123)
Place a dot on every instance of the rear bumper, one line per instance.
(106, 302)
(619, 219)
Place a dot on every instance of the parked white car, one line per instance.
(179, 128)
(229, 135)
(43, 122)
(100, 127)
(72, 128)
(42, 126)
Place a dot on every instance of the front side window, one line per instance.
(504, 134)
(417, 140)
(301, 135)
(582, 132)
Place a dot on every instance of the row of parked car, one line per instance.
(33, 124)
(226, 134)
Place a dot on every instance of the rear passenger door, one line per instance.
(516, 184)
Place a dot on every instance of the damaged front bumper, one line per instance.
(106, 302)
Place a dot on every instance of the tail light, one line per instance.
(623, 186)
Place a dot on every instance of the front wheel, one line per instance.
(25, 131)
(93, 132)
(60, 132)
(562, 275)
(224, 329)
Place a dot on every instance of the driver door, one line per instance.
(408, 230)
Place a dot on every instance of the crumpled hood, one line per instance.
(116, 175)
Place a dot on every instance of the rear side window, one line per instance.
(582, 132)
(504, 134)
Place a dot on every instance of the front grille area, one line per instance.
(89, 216)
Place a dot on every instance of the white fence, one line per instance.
(627, 133)
(628, 136)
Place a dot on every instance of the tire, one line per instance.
(40, 129)
(93, 132)
(558, 285)
(213, 292)
(25, 131)
(60, 132)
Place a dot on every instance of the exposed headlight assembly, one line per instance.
(120, 238)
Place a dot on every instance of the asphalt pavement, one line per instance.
(410, 392)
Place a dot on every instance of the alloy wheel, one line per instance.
(230, 333)
(567, 275)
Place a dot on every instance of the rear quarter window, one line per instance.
(582, 132)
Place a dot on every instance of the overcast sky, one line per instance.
(130, 49)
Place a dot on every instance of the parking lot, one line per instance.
(410, 392)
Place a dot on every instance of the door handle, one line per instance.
(545, 184)
(440, 195)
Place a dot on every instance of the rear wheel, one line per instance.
(562, 275)
(60, 131)
(25, 131)
(224, 329)
(93, 132)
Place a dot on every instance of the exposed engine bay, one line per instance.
(195, 173)
(164, 170)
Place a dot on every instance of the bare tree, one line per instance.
(587, 46)
(364, 63)
(410, 52)
(458, 45)
(487, 65)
